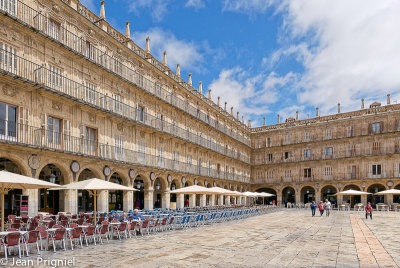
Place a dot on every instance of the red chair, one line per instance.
(76, 233)
(11, 218)
(58, 226)
(171, 221)
(145, 225)
(103, 231)
(42, 235)
(59, 236)
(32, 240)
(12, 229)
(80, 221)
(121, 228)
(12, 240)
(16, 225)
(132, 228)
(162, 224)
(90, 233)
(73, 225)
(64, 223)
(24, 218)
(51, 224)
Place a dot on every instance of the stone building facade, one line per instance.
(80, 100)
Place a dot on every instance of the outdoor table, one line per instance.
(382, 207)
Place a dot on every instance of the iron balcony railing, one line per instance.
(62, 85)
(359, 152)
(43, 24)
(22, 134)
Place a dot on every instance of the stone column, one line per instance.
(220, 200)
(102, 201)
(278, 198)
(318, 196)
(388, 199)
(239, 200)
(148, 199)
(166, 198)
(203, 200)
(364, 199)
(212, 200)
(298, 197)
(71, 201)
(128, 201)
(192, 200)
(180, 200)
(339, 199)
(33, 201)
(227, 200)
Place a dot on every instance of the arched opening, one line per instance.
(138, 196)
(85, 200)
(328, 192)
(352, 199)
(158, 190)
(268, 200)
(288, 195)
(307, 194)
(115, 198)
(396, 198)
(376, 199)
(13, 198)
(172, 197)
(51, 201)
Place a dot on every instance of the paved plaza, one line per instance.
(289, 238)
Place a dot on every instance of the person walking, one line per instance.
(368, 210)
(312, 206)
(327, 207)
(321, 208)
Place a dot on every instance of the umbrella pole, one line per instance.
(95, 205)
(2, 208)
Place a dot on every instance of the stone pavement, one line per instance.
(290, 238)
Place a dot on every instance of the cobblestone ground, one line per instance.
(290, 238)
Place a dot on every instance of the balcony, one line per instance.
(34, 19)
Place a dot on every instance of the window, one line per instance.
(287, 139)
(140, 80)
(117, 66)
(328, 151)
(141, 113)
(189, 160)
(307, 153)
(259, 143)
(55, 76)
(287, 155)
(307, 173)
(176, 156)
(119, 147)
(288, 173)
(9, 6)
(328, 133)
(350, 131)
(118, 104)
(160, 158)
(8, 121)
(328, 171)
(353, 172)
(90, 93)
(270, 174)
(376, 147)
(376, 127)
(209, 167)
(8, 57)
(269, 157)
(376, 169)
(90, 140)
(89, 50)
(54, 29)
(269, 142)
(142, 152)
(54, 130)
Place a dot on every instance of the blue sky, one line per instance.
(269, 57)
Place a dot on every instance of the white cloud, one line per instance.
(249, 7)
(188, 54)
(196, 4)
(158, 8)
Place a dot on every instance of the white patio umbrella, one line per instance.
(195, 189)
(352, 192)
(9, 180)
(389, 192)
(95, 185)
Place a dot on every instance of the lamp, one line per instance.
(308, 191)
(52, 178)
(288, 192)
(173, 187)
(329, 191)
(138, 185)
(158, 186)
(376, 189)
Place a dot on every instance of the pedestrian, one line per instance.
(321, 208)
(187, 202)
(327, 207)
(368, 210)
(273, 202)
(312, 206)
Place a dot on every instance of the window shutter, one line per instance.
(43, 118)
(82, 130)
(382, 127)
(369, 128)
(145, 114)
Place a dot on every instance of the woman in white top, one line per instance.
(327, 207)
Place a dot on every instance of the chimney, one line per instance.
(279, 120)
(316, 112)
(103, 10)
(338, 108)
(225, 106)
(190, 79)
(209, 93)
(237, 115)
(148, 44)
(164, 61)
(297, 115)
(362, 103)
(232, 111)
(264, 122)
(219, 102)
(178, 70)
(249, 123)
(127, 30)
(201, 87)
(388, 99)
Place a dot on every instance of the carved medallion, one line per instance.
(34, 161)
(56, 105)
(9, 90)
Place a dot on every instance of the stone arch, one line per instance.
(268, 200)
(353, 199)
(66, 172)
(116, 198)
(288, 194)
(376, 199)
(327, 192)
(93, 169)
(351, 186)
(22, 165)
(307, 194)
(396, 198)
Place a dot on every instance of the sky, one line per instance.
(270, 57)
